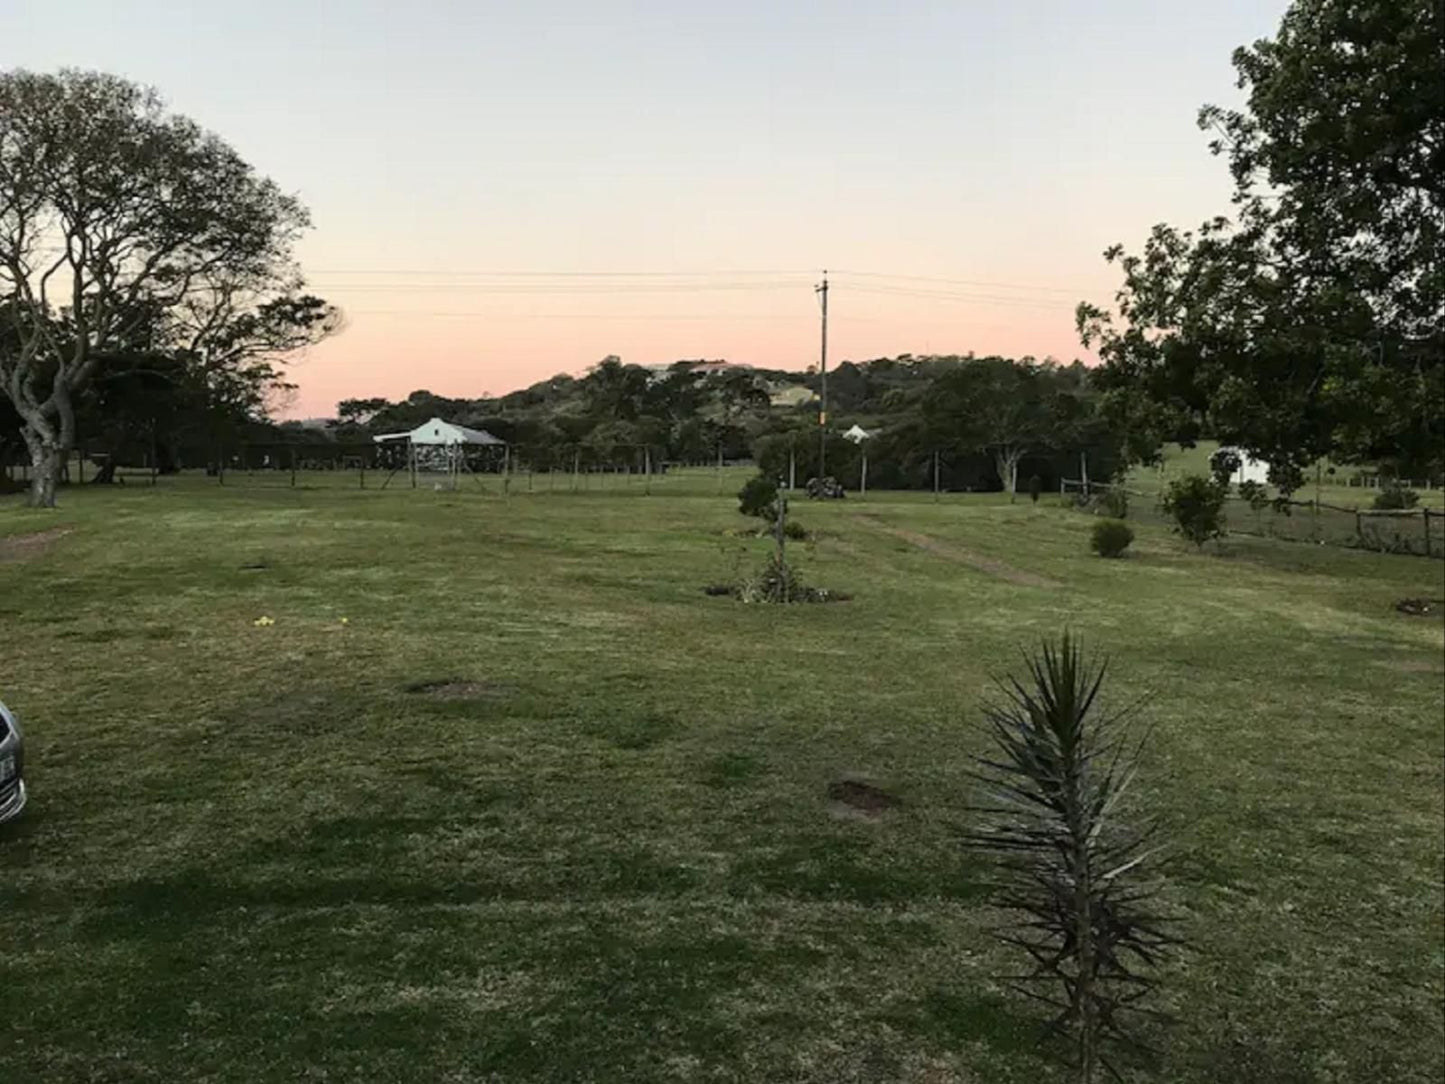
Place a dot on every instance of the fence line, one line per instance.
(1417, 531)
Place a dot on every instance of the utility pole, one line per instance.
(822, 291)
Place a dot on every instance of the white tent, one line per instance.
(857, 434)
(440, 433)
(441, 444)
(1250, 469)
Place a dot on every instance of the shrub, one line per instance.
(1070, 867)
(759, 497)
(1197, 505)
(1036, 486)
(779, 582)
(1395, 496)
(795, 530)
(1111, 538)
(1115, 502)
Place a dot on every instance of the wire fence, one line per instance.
(1416, 531)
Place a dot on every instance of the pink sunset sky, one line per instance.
(502, 192)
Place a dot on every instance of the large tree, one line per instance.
(1311, 322)
(995, 406)
(117, 216)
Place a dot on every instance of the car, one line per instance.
(12, 766)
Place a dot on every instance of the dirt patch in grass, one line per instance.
(860, 796)
(1420, 607)
(976, 561)
(456, 689)
(22, 547)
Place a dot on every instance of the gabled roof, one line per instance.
(438, 431)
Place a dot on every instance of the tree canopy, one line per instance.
(124, 226)
(1312, 321)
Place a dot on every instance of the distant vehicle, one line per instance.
(12, 766)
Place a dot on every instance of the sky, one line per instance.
(505, 191)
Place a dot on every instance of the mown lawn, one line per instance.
(253, 854)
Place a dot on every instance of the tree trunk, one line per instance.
(1006, 462)
(44, 471)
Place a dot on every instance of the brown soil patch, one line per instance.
(455, 689)
(22, 547)
(1420, 607)
(976, 561)
(864, 797)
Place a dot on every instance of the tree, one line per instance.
(117, 217)
(994, 405)
(1313, 322)
(134, 405)
(1197, 505)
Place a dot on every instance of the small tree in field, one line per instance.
(1197, 505)
(1055, 785)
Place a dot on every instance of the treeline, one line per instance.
(961, 422)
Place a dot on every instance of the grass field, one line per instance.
(255, 853)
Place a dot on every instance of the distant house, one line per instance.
(791, 395)
(701, 366)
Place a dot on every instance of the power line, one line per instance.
(683, 277)
(1072, 290)
(964, 298)
(517, 288)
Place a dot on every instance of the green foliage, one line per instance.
(1111, 537)
(1224, 464)
(779, 582)
(1115, 502)
(1256, 494)
(759, 497)
(174, 246)
(1197, 505)
(1396, 496)
(795, 530)
(1054, 787)
(1310, 325)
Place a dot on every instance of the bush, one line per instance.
(779, 582)
(1395, 496)
(1197, 505)
(1111, 538)
(759, 497)
(795, 530)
